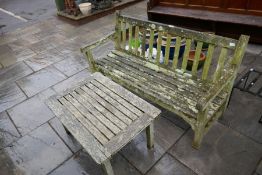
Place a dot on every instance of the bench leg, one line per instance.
(199, 133)
(107, 167)
(150, 136)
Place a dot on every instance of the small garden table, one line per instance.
(103, 117)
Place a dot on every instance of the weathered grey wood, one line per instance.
(127, 95)
(106, 165)
(150, 136)
(100, 137)
(119, 141)
(115, 106)
(103, 115)
(83, 135)
(92, 118)
(191, 94)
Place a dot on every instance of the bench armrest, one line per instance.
(215, 90)
(98, 43)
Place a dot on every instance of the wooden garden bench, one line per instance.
(198, 95)
(103, 117)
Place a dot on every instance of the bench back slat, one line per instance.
(153, 42)
(196, 58)
(159, 44)
(220, 65)
(176, 53)
(186, 54)
(167, 49)
(207, 63)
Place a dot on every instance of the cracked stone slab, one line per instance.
(170, 166)
(10, 95)
(40, 80)
(44, 59)
(71, 65)
(82, 164)
(68, 139)
(39, 152)
(30, 114)
(222, 152)
(243, 114)
(8, 132)
(166, 133)
(14, 72)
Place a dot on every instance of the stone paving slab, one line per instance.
(45, 59)
(14, 72)
(71, 81)
(10, 95)
(69, 140)
(30, 114)
(71, 65)
(168, 165)
(259, 168)
(244, 121)
(223, 152)
(36, 153)
(40, 80)
(8, 132)
(166, 134)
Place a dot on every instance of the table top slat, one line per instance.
(84, 137)
(98, 135)
(88, 114)
(118, 98)
(121, 139)
(121, 111)
(128, 96)
(102, 113)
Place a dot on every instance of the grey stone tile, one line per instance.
(30, 114)
(254, 48)
(38, 152)
(71, 65)
(178, 121)
(72, 81)
(168, 165)
(44, 59)
(41, 46)
(243, 114)
(23, 42)
(14, 72)
(8, 132)
(10, 95)
(222, 152)
(143, 159)
(82, 164)
(40, 80)
(68, 139)
(259, 168)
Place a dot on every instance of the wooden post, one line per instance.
(106, 165)
(150, 136)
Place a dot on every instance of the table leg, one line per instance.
(107, 167)
(150, 136)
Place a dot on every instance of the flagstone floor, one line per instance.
(43, 59)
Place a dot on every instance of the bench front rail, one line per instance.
(199, 96)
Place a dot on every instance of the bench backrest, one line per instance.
(133, 36)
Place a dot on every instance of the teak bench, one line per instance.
(103, 117)
(199, 96)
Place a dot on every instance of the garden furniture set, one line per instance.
(106, 111)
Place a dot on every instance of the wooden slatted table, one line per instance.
(103, 117)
